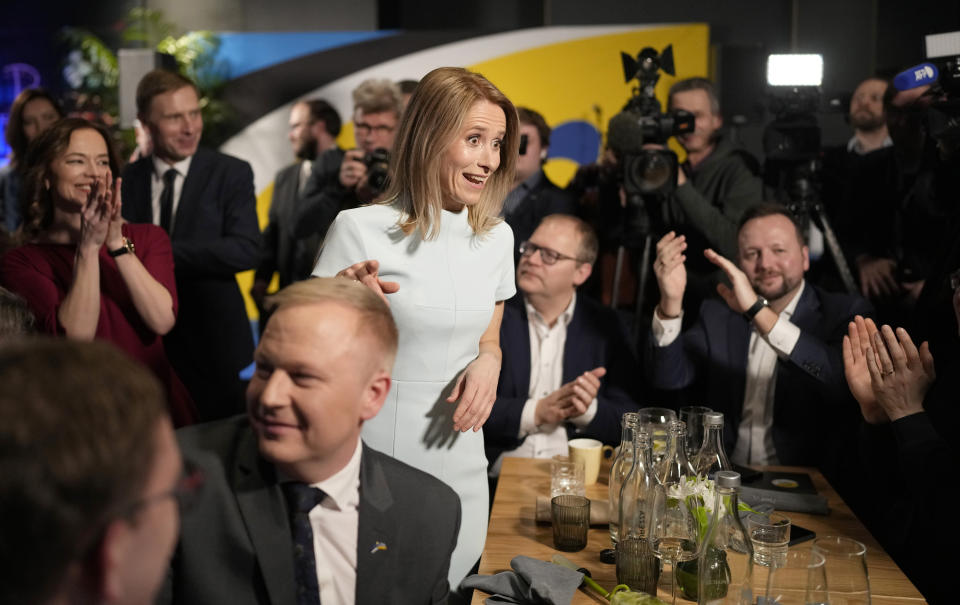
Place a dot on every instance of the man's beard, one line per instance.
(307, 150)
(866, 121)
(778, 292)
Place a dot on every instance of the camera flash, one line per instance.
(794, 70)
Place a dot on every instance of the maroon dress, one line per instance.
(43, 273)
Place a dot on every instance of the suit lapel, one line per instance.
(140, 204)
(264, 513)
(377, 565)
(190, 194)
(520, 364)
(738, 343)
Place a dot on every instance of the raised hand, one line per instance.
(741, 295)
(671, 272)
(900, 373)
(856, 343)
(95, 216)
(112, 197)
(367, 273)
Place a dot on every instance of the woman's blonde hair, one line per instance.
(430, 124)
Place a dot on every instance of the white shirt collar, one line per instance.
(792, 305)
(161, 166)
(343, 484)
(854, 145)
(566, 317)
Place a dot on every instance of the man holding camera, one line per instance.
(361, 173)
(533, 196)
(715, 185)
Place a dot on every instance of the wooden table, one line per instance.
(514, 531)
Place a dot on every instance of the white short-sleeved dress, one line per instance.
(448, 289)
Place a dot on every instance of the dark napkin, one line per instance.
(532, 582)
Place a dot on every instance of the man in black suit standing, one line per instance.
(567, 369)
(314, 126)
(533, 196)
(297, 509)
(205, 201)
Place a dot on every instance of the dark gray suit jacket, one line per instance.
(236, 548)
(290, 247)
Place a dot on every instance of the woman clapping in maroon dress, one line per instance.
(85, 272)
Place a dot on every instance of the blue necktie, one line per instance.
(301, 499)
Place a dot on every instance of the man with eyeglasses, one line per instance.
(90, 476)
(376, 115)
(567, 369)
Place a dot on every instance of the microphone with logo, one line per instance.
(925, 74)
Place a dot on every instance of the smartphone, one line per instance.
(800, 534)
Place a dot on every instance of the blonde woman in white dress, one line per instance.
(435, 248)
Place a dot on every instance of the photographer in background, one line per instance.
(362, 172)
(715, 185)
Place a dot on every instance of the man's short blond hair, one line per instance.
(376, 96)
(375, 319)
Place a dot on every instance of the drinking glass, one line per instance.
(566, 477)
(693, 417)
(674, 532)
(846, 564)
(770, 535)
(800, 580)
(571, 522)
(658, 422)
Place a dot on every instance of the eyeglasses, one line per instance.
(364, 129)
(547, 255)
(186, 492)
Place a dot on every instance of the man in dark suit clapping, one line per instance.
(205, 201)
(567, 369)
(298, 509)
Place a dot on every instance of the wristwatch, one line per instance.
(126, 247)
(755, 308)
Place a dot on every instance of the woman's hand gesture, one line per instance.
(114, 233)
(96, 215)
(366, 272)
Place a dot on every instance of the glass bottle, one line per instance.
(725, 564)
(711, 457)
(675, 466)
(637, 567)
(619, 469)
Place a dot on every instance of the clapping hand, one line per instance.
(367, 273)
(900, 374)
(114, 234)
(570, 400)
(671, 272)
(97, 214)
(856, 344)
(740, 295)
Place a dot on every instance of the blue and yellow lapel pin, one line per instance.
(378, 546)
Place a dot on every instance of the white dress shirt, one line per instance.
(754, 434)
(306, 167)
(156, 187)
(335, 522)
(546, 376)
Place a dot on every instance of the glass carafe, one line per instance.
(675, 466)
(619, 469)
(711, 457)
(725, 563)
(637, 567)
